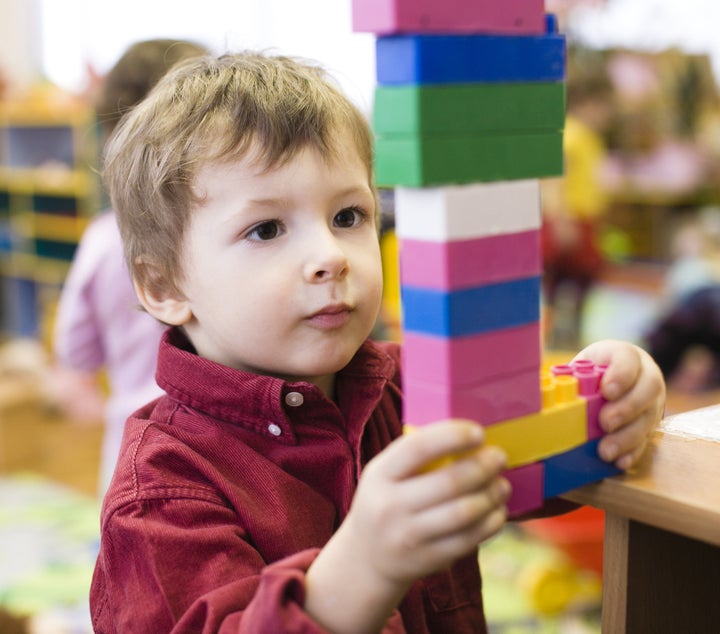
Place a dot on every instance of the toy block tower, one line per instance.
(468, 115)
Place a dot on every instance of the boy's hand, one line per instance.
(414, 513)
(635, 390)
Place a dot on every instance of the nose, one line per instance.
(326, 259)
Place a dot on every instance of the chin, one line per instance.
(328, 366)
(327, 369)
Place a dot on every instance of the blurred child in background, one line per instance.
(99, 325)
(685, 340)
(574, 205)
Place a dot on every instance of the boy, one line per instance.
(271, 489)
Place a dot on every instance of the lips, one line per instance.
(332, 316)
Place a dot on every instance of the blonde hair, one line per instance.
(210, 110)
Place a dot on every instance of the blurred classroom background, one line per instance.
(657, 234)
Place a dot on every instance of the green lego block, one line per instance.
(420, 161)
(468, 108)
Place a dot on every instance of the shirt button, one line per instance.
(274, 429)
(294, 399)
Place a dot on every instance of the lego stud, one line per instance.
(547, 390)
(562, 369)
(588, 380)
(566, 388)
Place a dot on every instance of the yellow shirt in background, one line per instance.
(583, 192)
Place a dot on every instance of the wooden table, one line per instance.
(661, 567)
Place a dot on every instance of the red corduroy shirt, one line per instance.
(227, 487)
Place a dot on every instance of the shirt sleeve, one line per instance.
(201, 571)
(77, 340)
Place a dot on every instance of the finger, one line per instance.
(615, 415)
(625, 440)
(623, 365)
(646, 398)
(409, 454)
(460, 476)
(629, 460)
(622, 373)
(462, 514)
(452, 546)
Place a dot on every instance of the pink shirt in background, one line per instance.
(99, 325)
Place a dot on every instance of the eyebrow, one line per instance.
(284, 202)
(267, 202)
(360, 189)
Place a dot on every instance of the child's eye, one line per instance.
(349, 217)
(265, 231)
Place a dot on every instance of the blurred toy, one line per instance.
(530, 580)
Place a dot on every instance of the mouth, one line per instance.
(331, 316)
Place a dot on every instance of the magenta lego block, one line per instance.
(465, 263)
(528, 486)
(449, 16)
(471, 359)
(486, 402)
(594, 404)
(575, 468)
(589, 376)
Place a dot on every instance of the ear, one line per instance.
(160, 299)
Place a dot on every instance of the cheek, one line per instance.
(377, 266)
(373, 276)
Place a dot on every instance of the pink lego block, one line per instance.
(471, 359)
(594, 403)
(516, 17)
(487, 402)
(589, 376)
(527, 488)
(465, 263)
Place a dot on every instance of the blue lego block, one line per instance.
(551, 23)
(575, 468)
(471, 310)
(445, 59)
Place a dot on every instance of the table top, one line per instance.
(676, 485)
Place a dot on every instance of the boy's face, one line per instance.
(282, 271)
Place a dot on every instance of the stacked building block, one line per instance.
(452, 16)
(464, 108)
(470, 296)
(469, 111)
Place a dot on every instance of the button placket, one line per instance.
(292, 399)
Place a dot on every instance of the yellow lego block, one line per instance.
(560, 426)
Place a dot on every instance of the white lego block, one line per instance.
(461, 212)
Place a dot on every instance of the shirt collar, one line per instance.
(263, 403)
